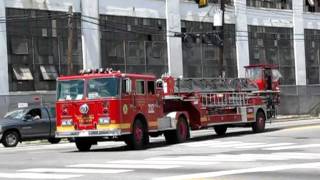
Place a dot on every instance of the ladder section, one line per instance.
(231, 99)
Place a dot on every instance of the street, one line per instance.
(287, 150)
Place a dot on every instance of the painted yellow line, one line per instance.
(303, 128)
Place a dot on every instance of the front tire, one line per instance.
(220, 130)
(259, 125)
(54, 140)
(83, 144)
(180, 134)
(10, 139)
(139, 137)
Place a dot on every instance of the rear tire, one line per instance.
(259, 125)
(180, 134)
(83, 144)
(139, 137)
(10, 139)
(220, 130)
(54, 140)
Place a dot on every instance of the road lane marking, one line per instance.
(315, 165)
(37, 176)
(166, 162)
(125, 166)
(75, 170)
(264, 145)
(293, 147)
(303, 128)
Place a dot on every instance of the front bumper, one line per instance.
(89, 133)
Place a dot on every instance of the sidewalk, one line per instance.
(283, 118)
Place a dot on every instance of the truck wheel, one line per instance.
(180, 134)
(54, 140)
(10, 139)
(83, 144)
(220, 130)
(139, 137)
(260, 123)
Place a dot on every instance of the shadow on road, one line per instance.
(162, 143)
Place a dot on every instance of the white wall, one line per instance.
(298, 41)
(4, 88)
(91, 45)
(242, 44)
(52, 5)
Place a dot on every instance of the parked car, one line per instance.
(31, 123)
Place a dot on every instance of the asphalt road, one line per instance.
(287, 150)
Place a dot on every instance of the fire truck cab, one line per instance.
(99, 105)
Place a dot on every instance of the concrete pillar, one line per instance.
(174, 44)
(242, 43)
(4, 79)
(298, 41)
(90, 34)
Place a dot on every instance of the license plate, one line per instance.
(84, 133)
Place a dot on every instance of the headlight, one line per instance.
(67, 122)
(104, 120)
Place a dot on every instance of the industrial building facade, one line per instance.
(142, 36)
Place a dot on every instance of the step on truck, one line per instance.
(100, 105)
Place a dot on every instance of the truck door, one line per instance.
(35, 125)
(127, 102)
(154, 106)
(140, 96)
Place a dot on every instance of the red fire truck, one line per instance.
(99, 105)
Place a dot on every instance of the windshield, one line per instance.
(70, 90)
(103, 87)
(254, 73)
(16, 114)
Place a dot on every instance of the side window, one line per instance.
(151, 87)
(126, 86)
(35, 113)
(140, 87)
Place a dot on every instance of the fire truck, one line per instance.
(100, 105)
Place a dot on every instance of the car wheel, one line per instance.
(259, 125)
(10, 139)
(83, 144)
(54, 140)
(139, 137)
(180, 134)
(220, 130)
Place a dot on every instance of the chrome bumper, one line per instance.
(89, 133)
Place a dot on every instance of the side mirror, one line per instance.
(27, 117)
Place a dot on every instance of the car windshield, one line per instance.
(103, 87)
(70, 90)
(16, 114)
(254, 73)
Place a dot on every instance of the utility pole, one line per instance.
(70, 41)
(221, 48)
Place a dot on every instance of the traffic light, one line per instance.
(202, 3)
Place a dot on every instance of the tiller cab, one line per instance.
(99, 105)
